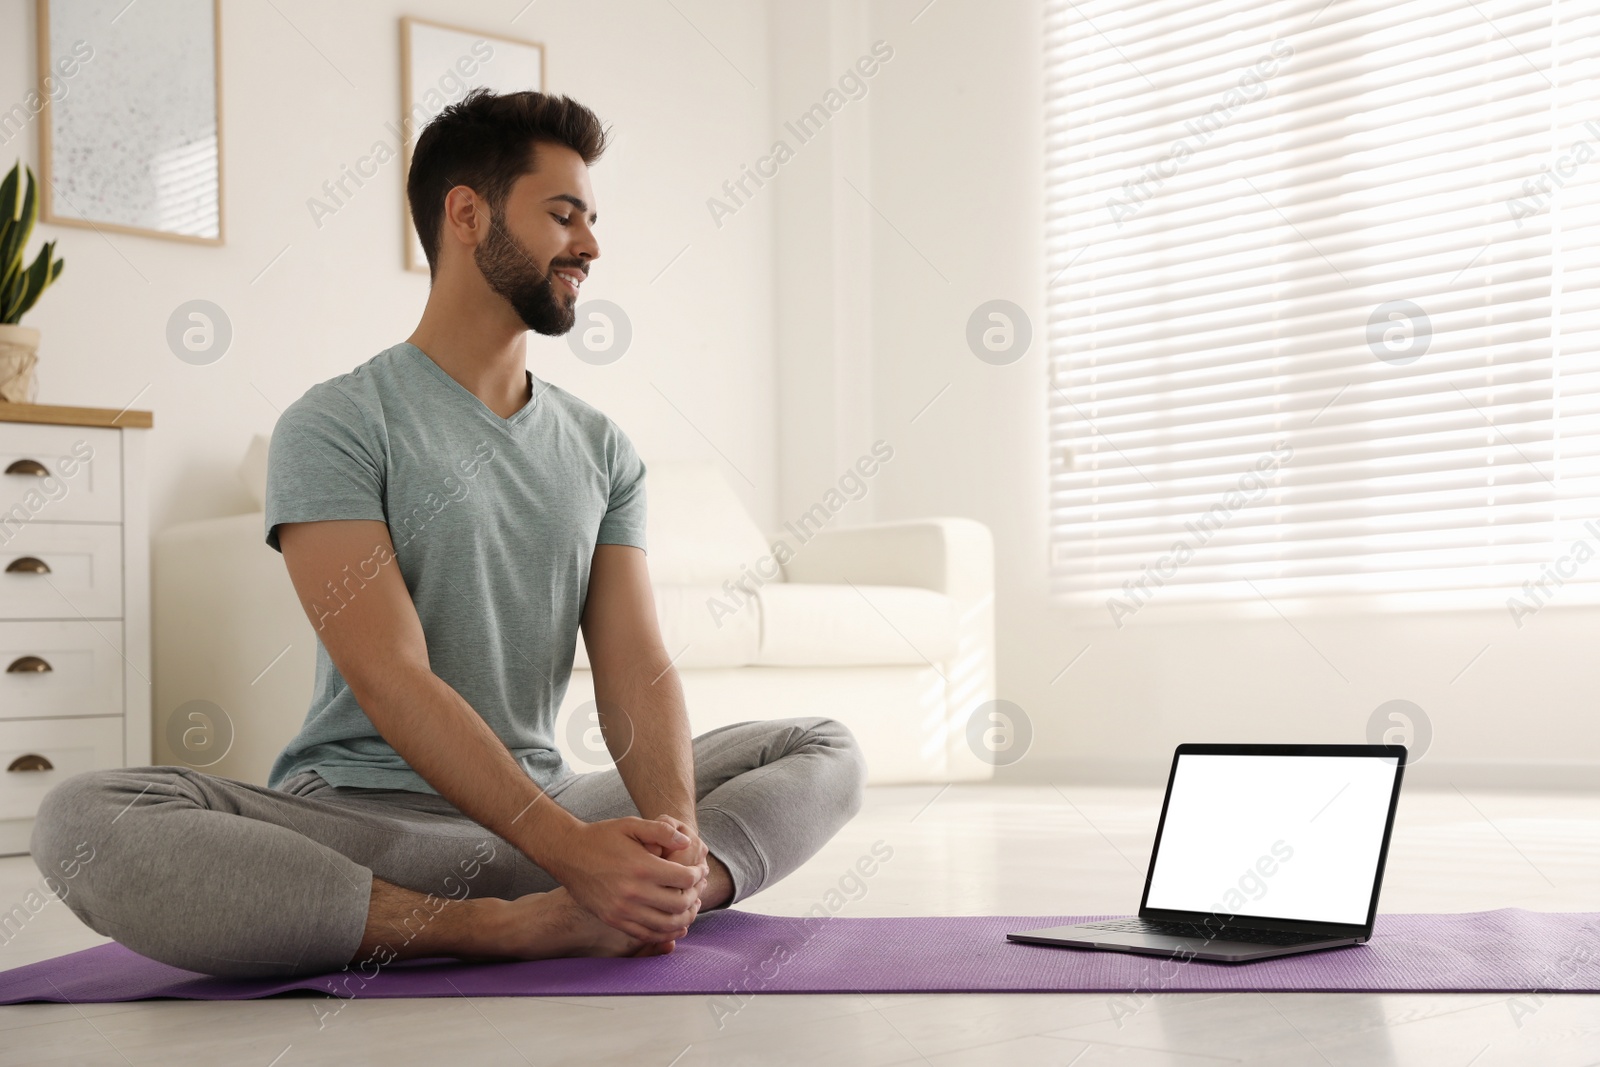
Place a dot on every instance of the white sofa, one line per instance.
(888, 628)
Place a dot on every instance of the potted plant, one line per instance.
(20, 286)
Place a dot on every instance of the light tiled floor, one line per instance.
(961, 850)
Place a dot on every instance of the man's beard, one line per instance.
(510, 271)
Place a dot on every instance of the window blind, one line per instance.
(1324, 301)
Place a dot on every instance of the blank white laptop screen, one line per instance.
(1283, 837)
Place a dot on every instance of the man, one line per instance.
(449, 522)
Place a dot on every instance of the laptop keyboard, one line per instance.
(1200, 932)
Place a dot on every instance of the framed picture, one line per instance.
(130, 134)
(439, 65)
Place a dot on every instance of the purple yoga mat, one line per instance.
(736, 953)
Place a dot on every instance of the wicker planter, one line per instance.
(19, 354)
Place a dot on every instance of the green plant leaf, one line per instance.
(30, 210)
(10, 246)
(22, 229)
(9, 312)
(20, 289)
(9, 291)
(8, 193)
(34, 282)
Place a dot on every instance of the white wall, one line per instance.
(956, 168)
(297, 108)
(824, 268)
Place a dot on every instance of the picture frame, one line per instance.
(439, 65)
(133, 146)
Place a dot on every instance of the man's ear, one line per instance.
(466, 217)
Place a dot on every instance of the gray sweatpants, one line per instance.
(224, 877)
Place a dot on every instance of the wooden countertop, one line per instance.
(70, 416)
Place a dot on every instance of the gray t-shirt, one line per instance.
(494, 523)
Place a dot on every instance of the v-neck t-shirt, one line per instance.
(494, 523)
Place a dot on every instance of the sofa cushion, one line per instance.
(804, 625)
(697, 530)
(691, 636)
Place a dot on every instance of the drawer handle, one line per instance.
(27, 565)
(32, 761)
(28, 466)
(29, 665)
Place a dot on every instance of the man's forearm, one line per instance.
(448, 743)
(646, 724)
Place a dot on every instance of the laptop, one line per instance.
(1262, 850)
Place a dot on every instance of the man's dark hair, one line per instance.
(487, 141)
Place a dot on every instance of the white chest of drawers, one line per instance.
(74, 601)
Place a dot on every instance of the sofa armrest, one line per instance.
(229, 629)
(951, 556)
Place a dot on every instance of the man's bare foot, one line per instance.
(719, 885)
(403, 924)
(553, 925)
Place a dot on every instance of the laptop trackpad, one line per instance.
(1089, 937)
(1161, 942)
